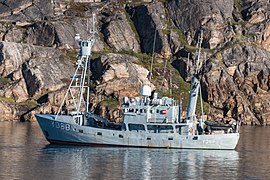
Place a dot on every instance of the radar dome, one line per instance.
(145, 90)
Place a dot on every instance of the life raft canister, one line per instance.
(163, 111)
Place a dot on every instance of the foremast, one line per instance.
(78, 93)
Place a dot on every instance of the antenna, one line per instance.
(188, 62)
(87, 25)
(93, 29)
(171, 90)
(199, 52)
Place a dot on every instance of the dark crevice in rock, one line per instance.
(30, 79)
(11, 76)
(105, 32)
(22, 119)
(57, 41)
(181, 66)
(97, 69)
(43, 99)
(146, 28)
(225, 109)
(1, 53)
(204, 85)
(246, 11)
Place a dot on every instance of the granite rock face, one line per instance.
(33, 71)
(210, 15)
(45, 23)
(150, 22)
(257, 14)
(41, 68)
(38, 52)
(25, 10)
(235, 81)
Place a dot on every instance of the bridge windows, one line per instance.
(136, 127)
(160, 128)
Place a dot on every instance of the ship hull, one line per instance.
(65, 131)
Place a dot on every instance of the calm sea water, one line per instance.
(25, 154)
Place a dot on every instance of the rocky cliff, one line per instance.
(38, 53)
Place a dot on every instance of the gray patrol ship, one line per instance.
(146, 122)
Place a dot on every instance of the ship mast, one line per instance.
(194, 87)
(79, 87)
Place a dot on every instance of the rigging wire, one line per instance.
(164, 72)
(153, 55)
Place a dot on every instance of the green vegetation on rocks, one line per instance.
(109, 102)
(28, 103)
(8, 100)
(132, 26)
(4, 80)
(71, 54)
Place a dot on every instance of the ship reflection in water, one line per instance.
(130, 163)
(25, 154)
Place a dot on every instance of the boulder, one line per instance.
(256, 13)
(16, 91)
(49, 103)
(44, 108)
(14, 55)
(191, 15)
(118, 33)
(119, 75)
(43, 75)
